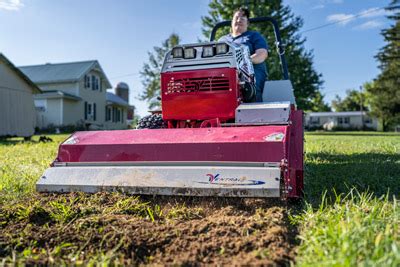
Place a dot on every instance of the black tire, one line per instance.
(249, 92)
(153, 121)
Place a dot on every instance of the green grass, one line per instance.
(342, 161)
(352, 186)
(350, 215)
(358, 229)
(22, 163)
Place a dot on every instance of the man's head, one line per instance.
(240, 20)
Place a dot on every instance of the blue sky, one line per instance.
(119, 34)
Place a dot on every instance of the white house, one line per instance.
(347, 119)
(75, 93)
(17, 110)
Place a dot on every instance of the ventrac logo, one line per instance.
(185, 85)
(218, 179)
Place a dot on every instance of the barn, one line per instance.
(17, 109)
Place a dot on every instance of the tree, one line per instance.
(151, 71)
(353, 101)
(306, 81)
(318, 104)
(385, 90)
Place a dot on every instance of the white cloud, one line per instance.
(341, 18)
(12, 5)
(372, 12)
(372, 24)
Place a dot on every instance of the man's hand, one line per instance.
(259, 56)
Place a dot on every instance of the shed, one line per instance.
(17, 110)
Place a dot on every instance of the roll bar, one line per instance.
(279, 46)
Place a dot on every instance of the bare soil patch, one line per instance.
(118, 229)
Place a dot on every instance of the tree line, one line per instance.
(380, 97)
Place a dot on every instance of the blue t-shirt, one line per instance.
(253, 40)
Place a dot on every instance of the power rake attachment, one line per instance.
(212, 142)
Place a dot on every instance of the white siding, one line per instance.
(17, 111)
(73, 112)
(346, 120)
(93, 96)
(50, 114)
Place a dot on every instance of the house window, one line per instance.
(340, 120)
(118, 115)
(346, 120)
(93, 82)
(87, 81)
(108, 113)
(367, 120)
(98, 83)
(314, 120)
(90, 111)
(114, 111)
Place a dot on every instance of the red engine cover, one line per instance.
(200, 94)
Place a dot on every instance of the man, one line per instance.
(256, 44)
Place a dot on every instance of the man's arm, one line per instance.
(259, 56)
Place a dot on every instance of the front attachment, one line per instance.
(240, 180)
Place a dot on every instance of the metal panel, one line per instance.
(278, 91)
(199, 95)
(165, 180)
(239, 144)
(263, 112)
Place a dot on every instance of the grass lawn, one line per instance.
(352, 186)
(350, 215)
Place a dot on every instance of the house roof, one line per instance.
(61, 72)
(336, 114)
(57, 94)
(113, 98)
(36, 89)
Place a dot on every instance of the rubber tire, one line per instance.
(249, 93)
(153, 121)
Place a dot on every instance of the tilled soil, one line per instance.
(117, 229)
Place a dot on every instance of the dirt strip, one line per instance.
(77, 228)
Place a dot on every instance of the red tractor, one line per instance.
(211, 142)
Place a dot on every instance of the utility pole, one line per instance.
(361, 107)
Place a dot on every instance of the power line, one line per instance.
(345, 19)
(309, 30)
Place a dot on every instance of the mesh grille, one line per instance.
(188, 85)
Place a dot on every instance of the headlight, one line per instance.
(208, 51)
(221, 49)
(189, 53)
(177, 52)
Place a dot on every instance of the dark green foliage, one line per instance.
(352, 101)
(385, 91)
(305, 79)
(151, 71)
(318, 104)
